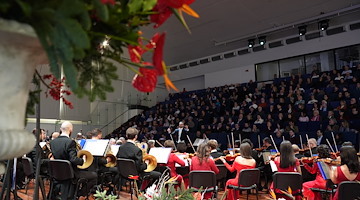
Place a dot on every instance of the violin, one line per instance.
(334, 155)
(329, 161)
(228, 157)
(272, 157)
(260, 148)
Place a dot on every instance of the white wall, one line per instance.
(236, 75)
(300, 48)
(189, 84)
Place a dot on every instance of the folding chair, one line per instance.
(284, 180)
(248, 179)
(205, 180)
(127, 168)
(349, 190)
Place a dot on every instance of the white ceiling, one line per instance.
(222, 20)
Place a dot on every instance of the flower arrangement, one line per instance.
(84, 38)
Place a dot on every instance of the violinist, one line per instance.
(267, 144)
(319, 182)
(245, 161)
(349, 169)
(202, 161)
(254, 153)
(173, 159)
(313, 145)
(214, 153)
(286, 162)
(297, 151)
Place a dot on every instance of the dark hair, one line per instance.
(245, 150)
(96, 132)
(267, 139)
(323, 151)
(287, 157)
(349, 158)
(203, 152)
(181, 147)
(247, 141)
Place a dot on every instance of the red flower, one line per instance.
(146, 81)
(164, 10)
(134, 177)
(158, 55)
(111, 2)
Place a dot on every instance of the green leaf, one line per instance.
(101, 10)
(25, 7)
(75, 33)
(77, 10)
(149, 4)
(180, 16)
(135, 6)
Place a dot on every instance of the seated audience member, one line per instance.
(319, 182)
(202, 161)
(349, 169)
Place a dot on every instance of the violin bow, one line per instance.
(307, 138)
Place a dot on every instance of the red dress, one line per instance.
(319, 182)
(233, 195)
(341, 178)
(208, 165)
(173, 159)
(288, 169)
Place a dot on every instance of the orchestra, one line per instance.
(323, 160)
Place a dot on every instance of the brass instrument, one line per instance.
(152, 163)
(47, 151)
(89, 159)
(113, 159)
(151, 160)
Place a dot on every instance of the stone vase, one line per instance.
(20, 53)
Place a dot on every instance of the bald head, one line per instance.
(66, 127)
(54, 135)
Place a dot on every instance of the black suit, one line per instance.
(65, 148)
(217, 154)
(183, 136)
(130, 151)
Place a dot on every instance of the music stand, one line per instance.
(161, 154)
(198, 141)
(96, 147)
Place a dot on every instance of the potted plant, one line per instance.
(81, 38)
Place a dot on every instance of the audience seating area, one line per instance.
(326, 101)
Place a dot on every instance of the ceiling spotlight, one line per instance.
(302, 30)
(251, 43)
(262, 40)
(324, 24)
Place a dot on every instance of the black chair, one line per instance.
(30, 174)
(328, 192)
(221, 176)
(349, 190)
(61, 172)
(206, 180)
(284, 180)
(127, 168)
(249, 178)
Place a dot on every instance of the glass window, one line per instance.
(292, 66)
(347, 56)
(323, 61)
(267, 71)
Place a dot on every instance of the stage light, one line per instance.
(324, 24)
(262, 40)
(302, 30)
(251, 43)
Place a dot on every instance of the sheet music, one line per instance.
(161, 154)
(96, 147)
(42, 144)
(266, 156)
(198, 142)
(273, 166)
(182, 156)
(114, 149)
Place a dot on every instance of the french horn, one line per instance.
(113, 159)
(151, 164)
(89, 159)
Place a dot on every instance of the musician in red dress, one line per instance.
(349, 169)
(245, 161)
(319, 182)
(286, 162)
(173, 159)
(202, 161)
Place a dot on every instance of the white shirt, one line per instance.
(179, 136)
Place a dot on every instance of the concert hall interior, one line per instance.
(180, 99)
